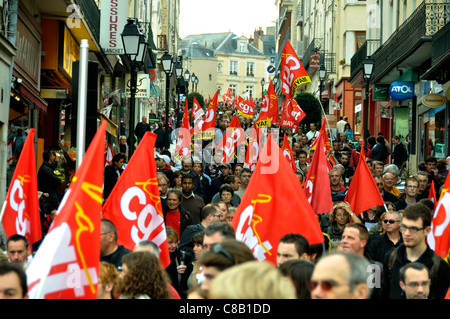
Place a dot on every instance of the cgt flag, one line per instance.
(293, 73)
(292, 114)
(197, 110)
(363, 192)
(317, 182)
(183, 145)
(209, 119)
(232, 140)
(134, 205)
(273, 205)
(66, 265)
(287, 153)
(439, 236)
(20, 213)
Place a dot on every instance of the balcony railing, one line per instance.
(315, 45)
(425, 21)
(366, 49)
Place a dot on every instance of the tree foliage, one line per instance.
(198, 96)
(311, 106)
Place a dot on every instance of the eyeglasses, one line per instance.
(218, 249)
(419, 284)
(325, 285)
(390, 221)
(412, 186)
(411, 229)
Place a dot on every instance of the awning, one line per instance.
(33, 98)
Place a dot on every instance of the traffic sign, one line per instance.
(152, 73)
(271, 69)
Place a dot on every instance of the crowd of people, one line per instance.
(381, 253)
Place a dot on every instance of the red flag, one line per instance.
(209, 119)
(432, 194)
(244, 108)
(273, 205)
(134, 205)
(9, 152)
(363, 192)
(109, 155)
(252, 154)
(183, 145)
(20, 213)
(293, 72)
(197, 110)
(287, 153)
(439, 236)
(317, 182)
(234, 135)
(292, 114)
(67, 262)
(273, 103)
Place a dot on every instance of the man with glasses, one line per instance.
(411, 189)
(415, 281)
(340, 275)
(383, 245)
(387, 196)
(415, 227)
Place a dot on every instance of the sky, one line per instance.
(237, 16)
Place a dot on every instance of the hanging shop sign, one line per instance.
(402, 90)
(434, 100)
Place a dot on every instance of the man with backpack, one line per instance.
(415, 227)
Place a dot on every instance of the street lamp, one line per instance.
(322, 75)
(367, 73)
(135, 47)
(179, 74)
(193, 81)
(167, 64)
(262, 88)
(196, 83)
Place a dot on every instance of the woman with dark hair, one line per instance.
(226, 193)
(299, 271)
(349, 132)
(176, 216)
(142, 277)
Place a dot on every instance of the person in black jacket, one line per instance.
(415, 227)
(112, 174)
(48, 182)
(399, 154)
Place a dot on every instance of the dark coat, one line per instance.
(440, 278)
(48, 182)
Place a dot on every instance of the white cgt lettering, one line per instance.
(22, 224)
(148, 219)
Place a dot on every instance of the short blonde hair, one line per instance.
(252, 280)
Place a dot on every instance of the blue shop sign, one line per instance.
(402, 90)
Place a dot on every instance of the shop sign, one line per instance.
(381, 92)
(142, 85)
(113, 18)
(314, 60)
(433, 100)
(402, 90)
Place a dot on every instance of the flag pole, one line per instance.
(3, 210)
(82, 101)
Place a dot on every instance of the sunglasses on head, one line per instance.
(390, 221)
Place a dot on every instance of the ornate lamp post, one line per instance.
(135, 47)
